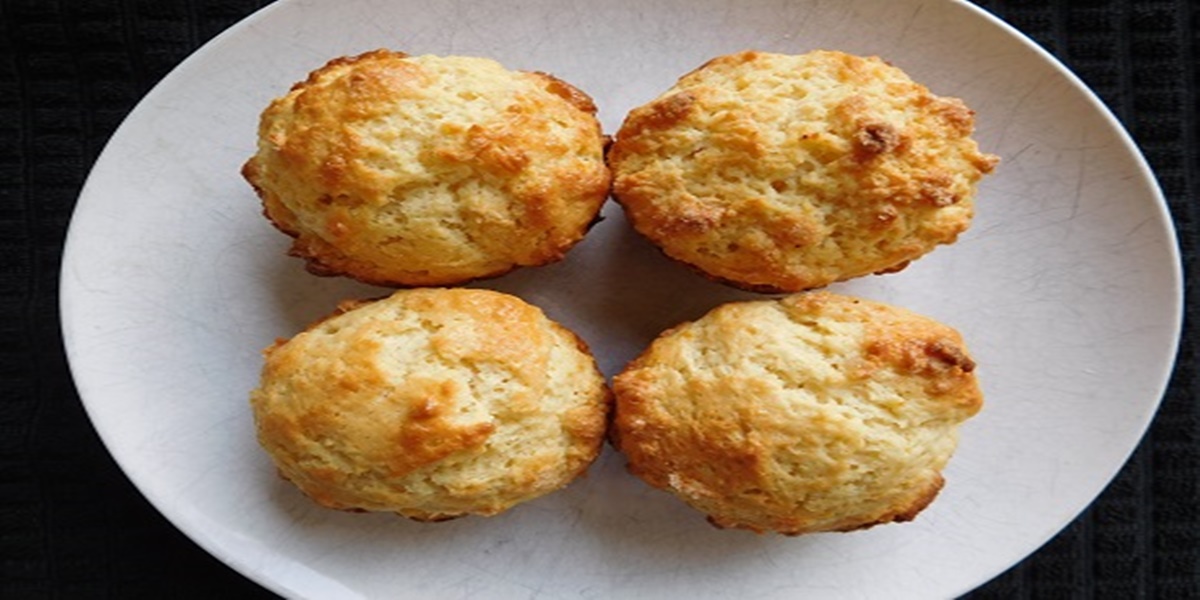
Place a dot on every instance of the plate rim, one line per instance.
(69, 295)
(1166, 219)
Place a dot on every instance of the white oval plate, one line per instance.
(1067, 289)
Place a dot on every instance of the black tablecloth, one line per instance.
(71, 524)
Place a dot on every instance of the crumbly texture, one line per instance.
(427, 170)
(785, 173)
(431, 403)
(817, 412)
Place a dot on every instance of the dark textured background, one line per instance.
(72, 526)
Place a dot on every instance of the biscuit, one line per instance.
(816, 412)
(777, 173)
(431, 403)
(427, 170)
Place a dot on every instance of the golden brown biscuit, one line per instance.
(411, 171)
(817, 412)
(431, 403)
(784, 173)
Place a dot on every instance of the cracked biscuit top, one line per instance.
(431, 403)
(784, 173)
(816, 412)
(427, 170)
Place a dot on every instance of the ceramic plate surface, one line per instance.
(1067, 290)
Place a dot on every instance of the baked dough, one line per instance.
(816, 412)
(427, 170)
(431, 403)
(773, 172)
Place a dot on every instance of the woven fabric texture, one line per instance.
(71, 524)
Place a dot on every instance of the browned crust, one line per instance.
(550, 217)
(342, 61)
(731, 59)
(711, 455)
(568, 92)
(657, 115)
(429, 430)
(874, 199)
